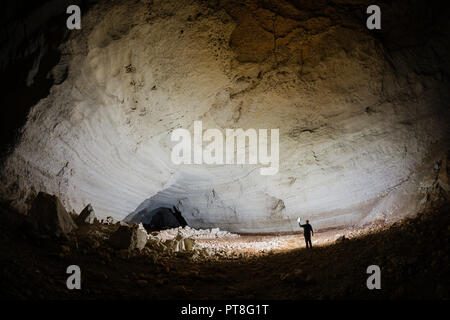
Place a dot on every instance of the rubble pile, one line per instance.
(109, 220)
(120, 258)
(262, 245)
(48, 217)
(188, 232)
(177, 244)
(187, 239)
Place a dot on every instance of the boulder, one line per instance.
(180, 244)
(109, 220)
(341, 239)
(189, 244)
(171, 245)
(87, 216)
(129, 237)
(49, 216)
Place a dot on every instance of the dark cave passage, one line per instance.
(163, 218)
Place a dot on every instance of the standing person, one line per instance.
(307, 232)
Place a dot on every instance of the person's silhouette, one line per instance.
(307, 232)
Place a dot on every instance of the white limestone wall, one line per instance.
(352, 133)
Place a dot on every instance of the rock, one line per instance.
(142, 283)
(49, 216)
(74, 215)
(189, 244)
(154, 244)
(109, 220)
(87, 216)
(341, 239)
(443, 176)
(129, 237)
(65, 249)
(179, 244)
(174, 245)
(94, 244)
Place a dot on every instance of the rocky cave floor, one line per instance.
(413, 256)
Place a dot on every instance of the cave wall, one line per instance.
(363, 115)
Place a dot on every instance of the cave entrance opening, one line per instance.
(164, 218)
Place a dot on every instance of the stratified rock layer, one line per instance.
(362, 119)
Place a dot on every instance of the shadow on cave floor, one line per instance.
(413, 256)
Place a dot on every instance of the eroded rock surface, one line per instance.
(363, 116)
